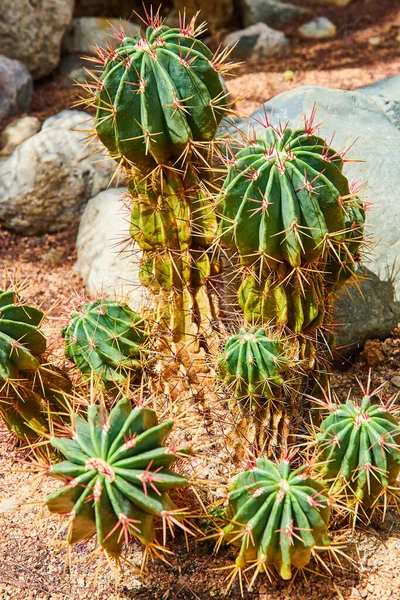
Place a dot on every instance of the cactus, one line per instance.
(253, 364)
(158, 91)
(359, 446)
(104, 338)
(21, 342)
(117, 476)
(277, 517)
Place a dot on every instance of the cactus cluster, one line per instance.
(117, 476)
(104, 338)
(359, 446)
(277, 517)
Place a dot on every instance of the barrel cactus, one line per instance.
(105, 338)
(158, 91)
(282, 199)
(117, 476)
(21, 341)
(359, 446)
(278, 516)
(252, 364)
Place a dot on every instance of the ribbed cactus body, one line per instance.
(300, 306)
(282, 197)
(158, 91)
(117, 476)
(21, 342)
(104, 338)
(252, 364)
(359, 444)
(277, 517)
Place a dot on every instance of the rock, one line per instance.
(48, 179)
(255, 42)
(75, 77)
(17, 132)
(105, 261)
(272, 12)
(373, 354)
(217, 14)
(85, 33)
(288, 75)
(32, 32)
(374, 41)
(108, 8)
(396, 381)
(15, 87)
(317, 29)
(338, 2)
(371, 116)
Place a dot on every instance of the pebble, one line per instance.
(320, 28)
(288, 75)
(17, 132)
(374, 41)
(396, 380)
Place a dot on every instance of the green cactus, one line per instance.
(105, 338)
(21, 342)
(359, 446)
(252, 364)
(117, 476)
(282, 199)
(277, 517)
(159, 91)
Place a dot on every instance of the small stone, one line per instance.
(370, 588)
(256, 42)
(288, 75)
(363, 593)
(17, 132)
(9, 504)
(374, 41)
(372, 353)
(53, 257)
(320, 28)
(85, 33)
(396, 381)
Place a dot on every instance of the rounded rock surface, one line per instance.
(15, 87)
(17, 132)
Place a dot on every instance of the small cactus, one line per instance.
(359, 446)
(21, 342)
(105, 338)
(252, 364)
(117, 476)
(277, 517)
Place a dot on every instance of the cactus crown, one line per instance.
(20, 339)
(166, 79)
(104, 337)
(252, 363)
(277, 516)
(359, 445)
(283, 198)
(117, 476)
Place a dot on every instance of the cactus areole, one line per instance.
(359, 443)
(277, 516)
(117, 476)
(158, 91)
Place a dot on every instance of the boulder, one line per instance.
(46, 182)
(272, 12)
(32, 32)
(108, 261)
(15, 88)
(17, 132)
(85, 33)
(256, 42)
(371, 116)
(108, 8)
(318, 29)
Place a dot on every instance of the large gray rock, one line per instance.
(85, 33)
(272, 12)
(48, 179)
(370, 116)
(15, 88)
(32, 32)
(106, 262)
(255, 42)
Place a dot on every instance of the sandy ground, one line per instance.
(31, 563)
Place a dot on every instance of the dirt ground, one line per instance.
(31, 563)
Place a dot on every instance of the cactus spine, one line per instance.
(104, 338)
(117, 476)
(277, 517)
